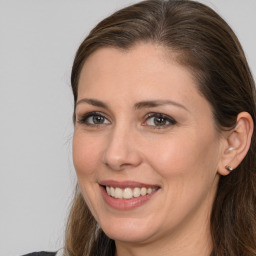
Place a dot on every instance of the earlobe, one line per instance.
(237, 144)
(229, 168)
(226, 164)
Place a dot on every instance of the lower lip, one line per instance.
(125, 204)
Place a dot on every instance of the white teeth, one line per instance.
(136, 192)
(150, 190)
(112, 191)
(128, 193)
(118, 193)
(143, 191)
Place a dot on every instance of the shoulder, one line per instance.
(41, 254)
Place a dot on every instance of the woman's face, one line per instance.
(145, 147)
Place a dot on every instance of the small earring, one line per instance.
(230, 149)
(229, 168)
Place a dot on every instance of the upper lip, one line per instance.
(127, 184)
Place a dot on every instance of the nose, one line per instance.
(121, 150)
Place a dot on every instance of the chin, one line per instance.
(130, 232)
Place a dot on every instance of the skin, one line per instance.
(181, 158)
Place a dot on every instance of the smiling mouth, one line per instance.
(129, 193)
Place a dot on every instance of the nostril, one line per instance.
(123, 160)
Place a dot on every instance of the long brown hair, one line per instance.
(206, 45)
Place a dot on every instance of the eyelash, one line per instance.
(165, 118)
(170, 121)
(84, 119)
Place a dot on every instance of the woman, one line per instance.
(163, 143)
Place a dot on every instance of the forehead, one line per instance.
(142, 72)
(145, 63)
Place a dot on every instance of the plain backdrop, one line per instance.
(38, 40)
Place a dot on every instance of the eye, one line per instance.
(93, 119)
(159, 121)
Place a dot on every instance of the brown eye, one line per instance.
(158, 121)
(98, 119)
(94, 119)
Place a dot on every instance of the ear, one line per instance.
(236, 144)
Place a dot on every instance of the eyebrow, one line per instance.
(139, 105)
(93, 102)
(156, 103)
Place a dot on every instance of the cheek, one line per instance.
(187, 166)
(86, 159)
(85, 154)
(185, 155)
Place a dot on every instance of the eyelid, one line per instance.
(82, 119)
(168, 118)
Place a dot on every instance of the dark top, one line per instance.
(41, 254)
(54, 253)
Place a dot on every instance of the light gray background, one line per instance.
(38, 40)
